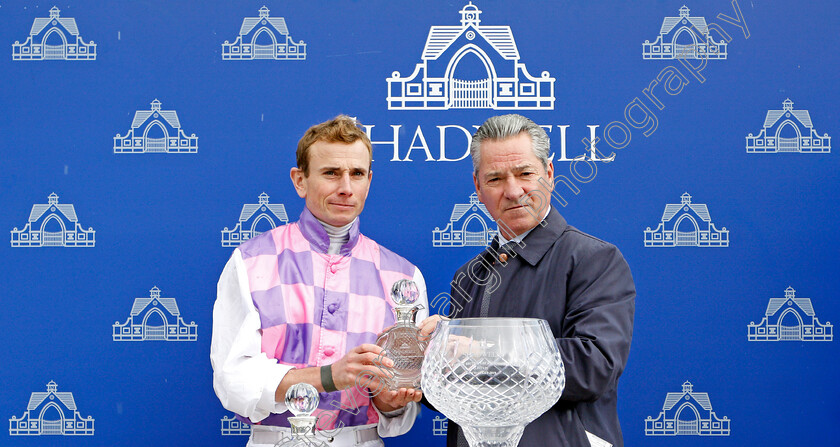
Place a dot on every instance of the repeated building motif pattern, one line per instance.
(436, 83)
(439, 426)
(54, 38)
(264, 37)
(686, 225)
(51, 413)
(255, 219)
(790, 319)
(53, 224)
(155, 319)
(467, 227)
(687, 413)
(234, 427)
(684, 37)
(155, 131)
(788, 130)
(433, 85)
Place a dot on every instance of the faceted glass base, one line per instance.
(507, 436)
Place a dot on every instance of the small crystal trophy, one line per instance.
(403, 343)
(301, 399)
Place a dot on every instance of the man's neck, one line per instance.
(338, 235)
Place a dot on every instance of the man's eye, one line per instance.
(329, 173)
(359, 173)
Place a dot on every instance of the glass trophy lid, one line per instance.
(302, 399)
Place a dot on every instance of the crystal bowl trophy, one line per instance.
(493, 376)
(301, 399)
(402, 342)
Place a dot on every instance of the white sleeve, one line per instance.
(244, 378)
(424, 297)
(390, 426)
(400, 422)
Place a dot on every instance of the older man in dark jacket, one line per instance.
(541, 267)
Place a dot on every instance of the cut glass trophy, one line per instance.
(493, 376)
(403, 343)
(301, 399)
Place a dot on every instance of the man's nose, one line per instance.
(513, 190)
(344, 185)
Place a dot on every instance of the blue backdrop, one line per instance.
(109, 282)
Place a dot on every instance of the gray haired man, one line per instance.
(541, 267)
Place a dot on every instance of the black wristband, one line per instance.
(327, 380)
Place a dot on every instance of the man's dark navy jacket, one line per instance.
(583, 287)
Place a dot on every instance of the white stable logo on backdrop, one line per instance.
(51, 413)
(790, 319)
(263, 37)
(234, 427)
(457, 71)
(687, 413)
(255, 219)
(439, 426)
(54, 38)
(684, 37)
(53, 224)
(155, 319)
(686, 224)
(467, 227)
(155, 131)
(788, 130)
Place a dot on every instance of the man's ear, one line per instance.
(475, 182)
(298, 178)
(550, 174)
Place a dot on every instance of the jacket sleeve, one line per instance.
(598, 323)
(244, 378)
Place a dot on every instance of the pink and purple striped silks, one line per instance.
(314, 307)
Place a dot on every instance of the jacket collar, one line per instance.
(538, 241)
(315, 233)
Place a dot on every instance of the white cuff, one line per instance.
(390, 426)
